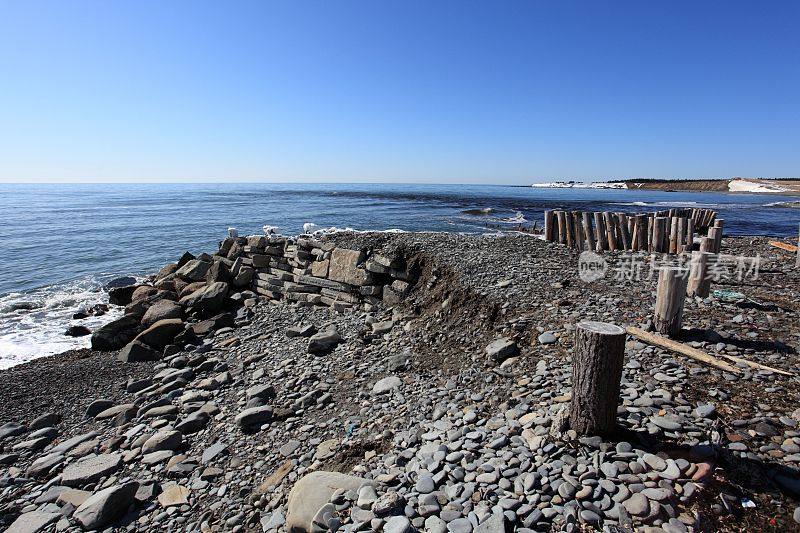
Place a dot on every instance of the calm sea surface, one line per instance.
(60, 243)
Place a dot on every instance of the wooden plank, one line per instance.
(783, 246)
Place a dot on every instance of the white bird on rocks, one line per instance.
(233, 233)
(270, 230)
(309, 227)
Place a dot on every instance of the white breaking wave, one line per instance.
(518, 218)
(32, 324)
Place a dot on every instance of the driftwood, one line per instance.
(700, 355)
(783, 246)
(675, 346)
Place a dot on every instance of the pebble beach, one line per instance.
(406, 382)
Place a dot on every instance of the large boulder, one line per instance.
(313, 491)
(166, 270)
(104, 507)
(194, 270)
(115, 334)
(218, 272)
(209, 299)
(161, 333)
(124, 281)
(143, 293)
(135, 352)
(121, 295)
(161, 310)
(222, 320)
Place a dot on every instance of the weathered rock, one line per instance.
(104, 507)
(255, 416)
(11, 429)
(136, 351)
(161, 310)
(91, 469)
(209, 299)
(115, 334)
(193, 270)
(77, 331)
(313, 491)
(501, 349)
(386, 384)
(163, 440)
(324, 341)
(343, 267)
(121, 295)
(33, 522)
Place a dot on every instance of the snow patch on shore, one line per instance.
(581, 185)
(755, 187)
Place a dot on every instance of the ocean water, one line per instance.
(62, 243)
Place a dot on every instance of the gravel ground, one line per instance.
(448, 438)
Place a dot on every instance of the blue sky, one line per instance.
(461, 92)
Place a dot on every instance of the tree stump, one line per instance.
(670, 295)
(596, 372)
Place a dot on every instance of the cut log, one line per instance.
(677, 347)
(699, 283)
(624, 235)
(670, 295)
(596, 372)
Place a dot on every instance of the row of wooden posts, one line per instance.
(670, 231)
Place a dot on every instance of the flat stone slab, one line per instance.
(91, 469)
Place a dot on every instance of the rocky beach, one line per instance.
(405, 382)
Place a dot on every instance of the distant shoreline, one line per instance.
(778, 186)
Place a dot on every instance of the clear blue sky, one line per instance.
(481, 92)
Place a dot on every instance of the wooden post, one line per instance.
(690, 234)
(610, 234)
(596, 373)
(588, 232)
(797, 261)
(570, 229)
(577, 222)
(699, 283)
(659, 230)
(548, 226)
(681, 235)
(673, 235)
(715, 233)
(600, 232)
(625, 236)
(707, 244)
(562, 227)
(670, 295)
(718, 225)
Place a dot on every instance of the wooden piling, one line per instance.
(597, 362)
(588, 232)
(548, 226)
(622, 224)
(610, 230)
(673, 235)
(699, 283)
(577, 221)
(670, 296)
(562, 227)
(600, 232)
